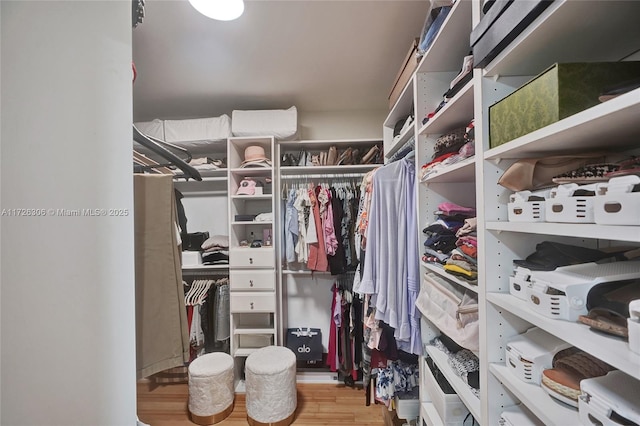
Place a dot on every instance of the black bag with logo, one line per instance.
(306, 343)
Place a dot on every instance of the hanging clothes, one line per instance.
(317, 253)
(162, 339)
(391, 269)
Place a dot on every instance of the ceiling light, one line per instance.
(222, 10)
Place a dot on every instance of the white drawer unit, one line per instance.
(241, 257)
(252, 280)
(252, 302)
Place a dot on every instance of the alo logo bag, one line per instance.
(306, 343)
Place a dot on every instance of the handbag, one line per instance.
(306, 343)
(537, 173)
(453, 309)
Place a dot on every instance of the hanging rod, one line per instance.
(325, 176)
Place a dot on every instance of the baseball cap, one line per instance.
(248, 187)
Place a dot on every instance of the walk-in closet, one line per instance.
(398, 213)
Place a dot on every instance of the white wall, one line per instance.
(316, 125)
(67, 283)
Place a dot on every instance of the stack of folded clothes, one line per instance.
(451, 240)
(450, 148)
(216, 250)
(462, 361)
(463, 261)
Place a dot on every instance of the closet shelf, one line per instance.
(203, 267)
(610, 349)
(340, 170)
(252, 197)
(252, 171)
(212, 176)
(451, 44)
(585, 230)
(458, 112)
(536, 399)
(463, 171)
(402, 107)
(241, 330)
(438, 269)
(470, 400)
(311, 145)
(304, 272)
(244, 352)
(251, 222)
(399, 143)
(613, 122)
(564, 32)
(429, 414)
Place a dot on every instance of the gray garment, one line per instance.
(223, 329)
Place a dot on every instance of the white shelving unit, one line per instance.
(567, 31)
(254, 292)
(306, 294)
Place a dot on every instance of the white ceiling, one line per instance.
(322, 55)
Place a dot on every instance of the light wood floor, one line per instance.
(318, 404)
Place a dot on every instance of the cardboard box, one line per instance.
(407, 69)
(558, 92)
(501, 25)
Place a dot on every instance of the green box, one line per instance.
(558, 92)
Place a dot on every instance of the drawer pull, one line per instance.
(250, 283)
(251, 260)
(251, 305)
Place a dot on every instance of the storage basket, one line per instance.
(613, 399)
(521, 209)
(530, 353)
(616, 203)
(519, 282)
(450, 408)
(562, 293)
(566, 204)
(518, 415)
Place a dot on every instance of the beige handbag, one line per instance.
(537, 173)
(332, 156)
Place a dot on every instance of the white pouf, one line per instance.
(211, 393)
(270, 378)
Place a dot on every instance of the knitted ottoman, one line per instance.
(270, 379)
(211, 392)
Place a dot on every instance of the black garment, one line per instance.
(182, 217)
(337, 262)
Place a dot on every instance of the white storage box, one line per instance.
(450, 408)
(565, 205)
(633, 324)
(526, 206)
(519, 282)
(530, 353)
(407, 406)
(279, 123)
(518, 415)
(191, 258)
(616, 203)
(197, 129)
(562, 293)
(613, 399)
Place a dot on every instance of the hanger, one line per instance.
(157, 148)
(149, 164)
